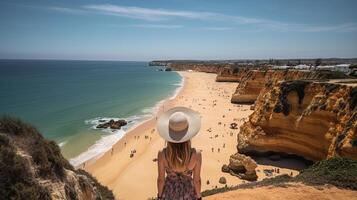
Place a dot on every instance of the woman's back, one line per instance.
(179, 182)
(187, 167)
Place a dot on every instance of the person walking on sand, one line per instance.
(179, 165)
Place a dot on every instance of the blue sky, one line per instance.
(177, 29)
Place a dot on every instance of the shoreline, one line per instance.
(83, 158)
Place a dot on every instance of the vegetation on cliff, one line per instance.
(32, 167)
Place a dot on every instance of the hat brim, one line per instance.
(194, 125)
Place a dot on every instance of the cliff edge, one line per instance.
(32, 167)
(253, 81)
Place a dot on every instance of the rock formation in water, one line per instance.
(253, 81)
(112, 124)
(312, 119)
(32, 167)
(168, 69)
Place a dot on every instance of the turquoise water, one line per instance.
(63, 99)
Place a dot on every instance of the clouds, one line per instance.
(146, 13)
(157, 26)
(231, 22)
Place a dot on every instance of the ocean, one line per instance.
(65, 100)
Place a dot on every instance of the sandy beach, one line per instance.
(130, 168)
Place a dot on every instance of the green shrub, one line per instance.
(15, 176)
(337, 171)
(43, 159)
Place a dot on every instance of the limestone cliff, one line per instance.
(231, 74)
(32, 167)
(312, 119)
(253, 81)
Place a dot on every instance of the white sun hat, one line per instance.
(179, 124)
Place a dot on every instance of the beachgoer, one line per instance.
(178, 160)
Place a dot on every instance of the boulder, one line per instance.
(241, 166)
(225, 168)
(113, 124)
(222, 180)
(239, 161)
(249, 176)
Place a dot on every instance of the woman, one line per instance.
(179, 161)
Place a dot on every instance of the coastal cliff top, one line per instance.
(32, 167)
(330, 176)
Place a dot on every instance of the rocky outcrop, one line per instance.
(112, 124)
(231, 74)
(168, 69)
(32, 167)
(159, 63)
(241, 166)
(316, 120)
(253, 81)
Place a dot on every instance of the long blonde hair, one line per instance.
(178, 154)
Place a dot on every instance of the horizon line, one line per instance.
(233, 59)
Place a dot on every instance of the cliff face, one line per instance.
(209, 68)
(254, 81)
(315, 120)
(32, 167)
(229, 74)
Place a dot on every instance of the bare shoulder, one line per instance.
(160, 154)
(197, 155)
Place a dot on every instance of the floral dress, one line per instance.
(179, 185)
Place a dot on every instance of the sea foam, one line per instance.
(98, 149)
(112, 136)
